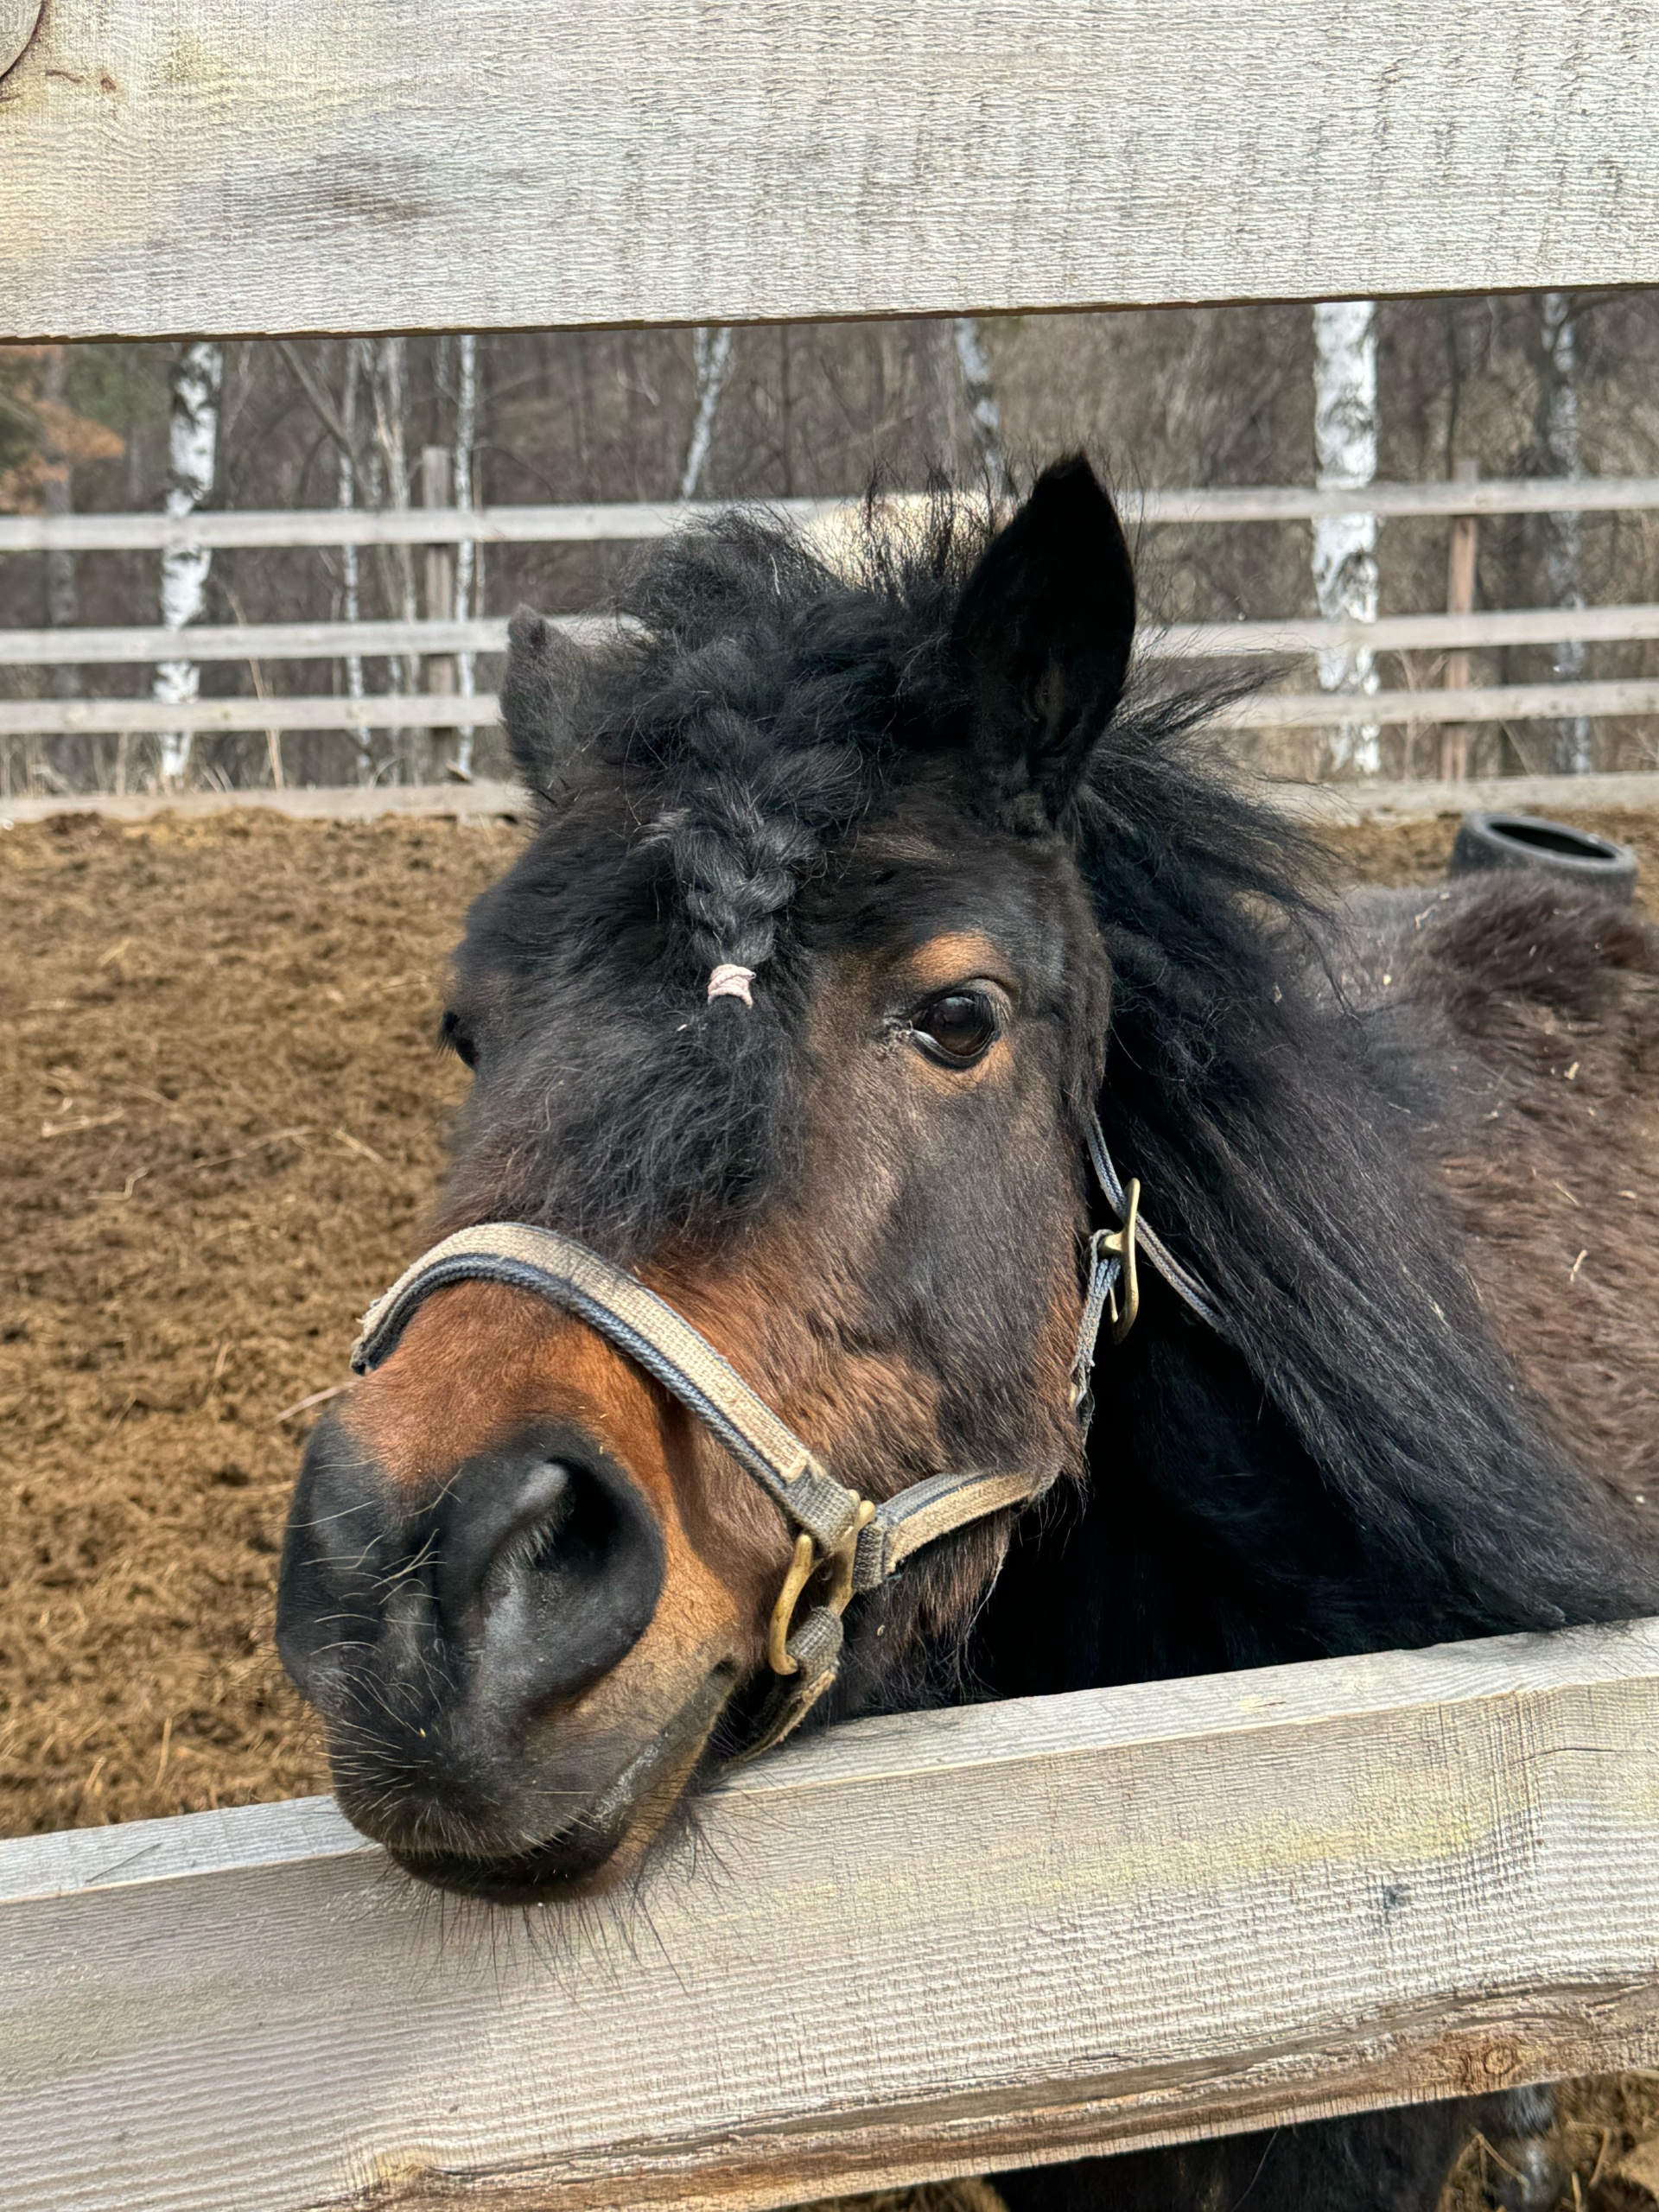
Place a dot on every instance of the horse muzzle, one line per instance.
(463, 1650)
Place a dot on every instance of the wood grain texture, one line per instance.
(912, 1947)
(628, 521)
(633, 521)
(17, 21)
(232, 166)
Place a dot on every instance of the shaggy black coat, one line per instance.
(1351, 1464)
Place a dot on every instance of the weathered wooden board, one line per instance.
(1292, 637)
(17, 21)
(481, 800)
(379, 710)
(261, 165)
(920, 1945)
(1370, 800)
(629, 521)
(1493, 702)
(89, 647)
(635, 521)
(1508, 702)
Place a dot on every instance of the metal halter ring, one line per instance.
(802, 1568)
(1111, 1269)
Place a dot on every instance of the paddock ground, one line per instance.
(223, 1118)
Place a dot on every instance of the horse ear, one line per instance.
(539, 694)
(1042, 636)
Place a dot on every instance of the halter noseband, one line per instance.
(864, 1544)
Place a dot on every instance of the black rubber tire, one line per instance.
(1488, 841)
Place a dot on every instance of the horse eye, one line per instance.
(454, 1036)
(958, 1029)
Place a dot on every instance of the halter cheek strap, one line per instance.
(842, 1539)
(861, 1544)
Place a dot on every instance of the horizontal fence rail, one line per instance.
(379, 710)
(916, 1947)
(832, 521)
(1509, 702)
(477, 164)
(480, 799)
(1492, 703)
(638, 521)
(1171, 641)
(272, 641)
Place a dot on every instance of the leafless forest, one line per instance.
(1520, 385)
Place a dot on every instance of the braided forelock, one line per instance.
(763, 683)
(748, 808)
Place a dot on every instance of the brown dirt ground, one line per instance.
(222, 1118)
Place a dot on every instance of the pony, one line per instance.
(866, 902)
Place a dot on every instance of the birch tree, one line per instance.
(466, 551)
(711, 358)
(1344, 546)
(57, 498)
(351, 588)
(193, 454)
(979, 395)
(390, 389)
(1558, 426)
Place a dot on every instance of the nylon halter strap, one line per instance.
(842, 1538)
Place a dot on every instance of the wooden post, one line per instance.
(1463, 546)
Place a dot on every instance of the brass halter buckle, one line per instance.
(1112, 1268)
(1121, 1243)
(802, 1568)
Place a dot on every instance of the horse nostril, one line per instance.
(535, 1571)
(548, 1567)
(534, 1545)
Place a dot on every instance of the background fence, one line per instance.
(1433, 690)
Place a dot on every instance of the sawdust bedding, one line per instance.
(224, 1115)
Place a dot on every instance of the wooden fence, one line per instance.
(209, 167)
(943, 1943)
(916, 1947)
(1286, 640)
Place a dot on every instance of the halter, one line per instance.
(859, 1545)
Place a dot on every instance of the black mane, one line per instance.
(1356, 1462)
(1357, 1465)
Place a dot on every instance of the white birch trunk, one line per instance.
(466, 559)
(712, 354)
(389, 386)
(1564, 533)
(57, 498)
(351, 592)
(193, 456)
(1344, 546)
(979, 393)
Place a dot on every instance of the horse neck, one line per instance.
(1205, 1539)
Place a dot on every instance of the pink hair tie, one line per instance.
(730, 981)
